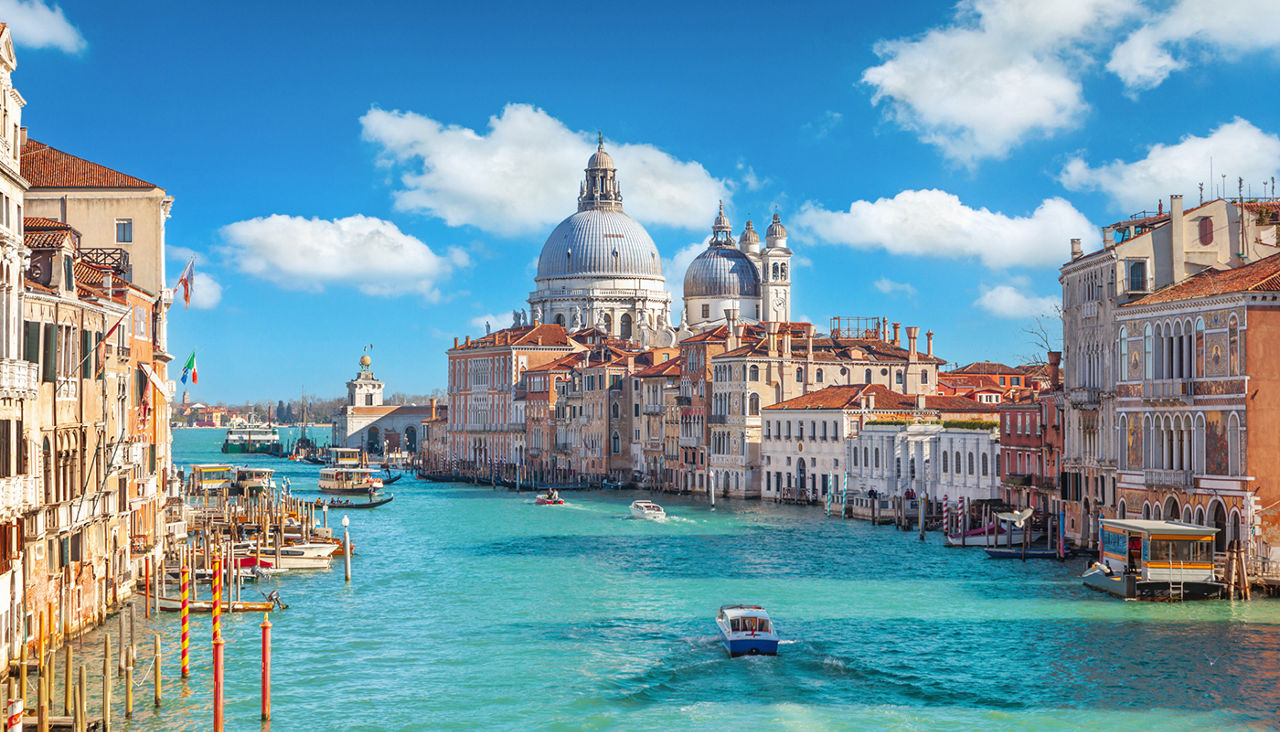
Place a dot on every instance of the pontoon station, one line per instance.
(1155, 560)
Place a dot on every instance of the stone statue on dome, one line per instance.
(577, 318)
(537, 315)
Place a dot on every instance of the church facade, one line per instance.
(364, 422)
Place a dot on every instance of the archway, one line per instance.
(1218, 520)
(800, 479)
(1146, 510)
(411, 440)
(1171, 509)
(608, 324)
(375, 441)
(1199, 518)
(1120, 511)
(560, 320)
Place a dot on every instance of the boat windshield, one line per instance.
(749, 624)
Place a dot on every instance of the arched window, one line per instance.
(755, 373)
(956, 464)
(615, 443)
(877, 454)
(897, 376)
(625, 331)
(560, 320)
(866, 378)
(985, 466)
(754, 405)
(1120, 511)
(1233, 346)
(1122, 366)
(1234, 463)
(1199, 346)
(1147, 363)
(970, 463)
(799, 376)
(944, 461)
(608, 324)
(614, 410)
(817, 376)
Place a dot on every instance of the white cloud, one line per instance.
(673, 269)
(1238, 149)
(752, 181)
(1193, 30)
(522, 176)
(1001, 72)
(1008, 301)
(824, 124)
(935, 223)
(889, 287)
(206, 293)
(35, 24)
(182, 255)
(366, 252)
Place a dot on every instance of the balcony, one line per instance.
(1167, 390)
(1089, 309)
(114, 257)
(1084, 397)
(718, 419)
(18, 378)
(651, 409)
(1168, 478)
(684, 401)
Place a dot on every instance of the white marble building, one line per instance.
(754, 284)
(926, 459)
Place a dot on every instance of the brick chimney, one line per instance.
(455, 342)
(896, 339)
(1055, 374)
(467, 342)
(1076, 250)
(1177, 238)
(913, 332)
(1108, 237)
(771, 339)
(928, 340)
(433, 407)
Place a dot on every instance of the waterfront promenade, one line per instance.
(474, 607)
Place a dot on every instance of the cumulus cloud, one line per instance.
(935, 223)
(1193, 30)
(521, 175)
(1001, 72)
(35, 24)
(1010, 301)
(674, 267)
(1237, 148)
(206, 293)
(308, 254)
(182, 255)
(889, 287)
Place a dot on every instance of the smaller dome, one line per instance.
(600, 158)
(365, 361)
(721, 272)
(722, 221)
(776, 229)
(749, 235)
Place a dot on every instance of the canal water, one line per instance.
(472, 607)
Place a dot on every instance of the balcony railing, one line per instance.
(1167, 389)
(1168, 478)
(1089, 309)
(651, 409)
(718, 419)
(18, 375)
(1084, 397)
(684, 401)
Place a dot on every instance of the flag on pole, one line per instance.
(186, 280)
(190, 368)
(100, 347)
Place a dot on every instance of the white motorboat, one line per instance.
(301, 556)
(994, 535)
(643, 509)
(746, 630)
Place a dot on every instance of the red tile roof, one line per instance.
(986, 367)
(48, 167)
(1260, 276)
(848, 397)
(662, 368)
(545, 334)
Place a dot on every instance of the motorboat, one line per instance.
(746, 630)
(992, 535)
(551, 498)
(301, 556)
(643, 509)
(252, 481)
(174, 604)
(349, 481)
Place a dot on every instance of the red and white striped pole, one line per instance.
(266, 667)
(186, 621)
(13, 721)
(217, 644)
(946, 516)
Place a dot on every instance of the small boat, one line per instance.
(301, 556)
(549, 499)
(349, 481)
(174, 604)
(611, 485)
(746, 630)
(252, 481)
(392, 479)
(993, 535)
(643, 509)
(313, 460)
(336, 503)
(1145, 559)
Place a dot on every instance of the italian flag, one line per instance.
(190, 368)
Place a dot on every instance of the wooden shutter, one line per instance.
(49, 372)
(31, 334)
(86, 357)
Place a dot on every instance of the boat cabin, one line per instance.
(252, 481)
(210, 477)
(344, 457)
(1148, 559)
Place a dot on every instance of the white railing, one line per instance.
(1089, 309)
(1167, 389)
(18, 375)
(1174, 478)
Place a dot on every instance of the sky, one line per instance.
(350, 175)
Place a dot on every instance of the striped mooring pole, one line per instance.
(186, 621)
(217, 644)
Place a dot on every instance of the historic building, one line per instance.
(934, 460)
(1138, 256)
(366, 423)
(600, 269)
(738, 281)
(1031, 445)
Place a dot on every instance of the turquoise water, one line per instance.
(473, 607)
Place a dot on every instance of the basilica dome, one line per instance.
(599, 242)
(721, 272)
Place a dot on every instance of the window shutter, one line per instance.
(49, 372)
(86, 358)
(31, 332)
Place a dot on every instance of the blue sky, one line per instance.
(386, 174)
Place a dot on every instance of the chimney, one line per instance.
(1055, 375)
(896, 339)
(433, 407)
(871, 401)
(771, 339)
(1076, 250)
(1177, 237)
(786, 342)
(1108, 237)
(22, 138)
(920, 402)
(912, 333)
(467, 342)
(455, 341)
(928, 340)
(808, 337)
(884, 328)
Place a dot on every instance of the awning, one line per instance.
(155, 380)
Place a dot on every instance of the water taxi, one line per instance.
(353, 481)
(301, 556)
(1143, 559)
(643, 509)
(264, 440)
(746, 630)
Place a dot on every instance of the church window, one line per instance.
(897, 377)
(608, 323)
(706, 311)
(799, 376)
(625, 326)
(818, 376)
(560, 320)
(867, 376)
(755, 373)
(368, 400)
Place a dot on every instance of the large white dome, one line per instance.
(599, 243)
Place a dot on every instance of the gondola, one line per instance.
(314, 460)
(392, 479)
(334, 504)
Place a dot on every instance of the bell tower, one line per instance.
(364, 390)
(775, 274)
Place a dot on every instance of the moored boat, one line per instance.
(992, 535)
(644, 509)
(265, 440)
(746, 630)
(349, 481)
(339, 504)
(173, 604)
(1143, 559)
(252, 481)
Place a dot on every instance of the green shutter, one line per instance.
(49, 371)
(86, 360)
(31, 332)
(66, 271)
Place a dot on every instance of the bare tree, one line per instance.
(1044, 335)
